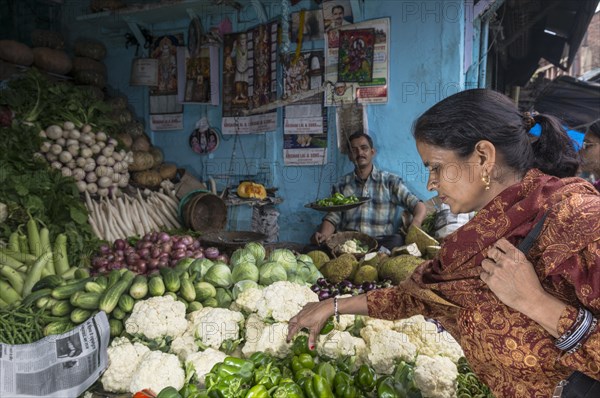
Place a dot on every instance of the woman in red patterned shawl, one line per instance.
(527, 322)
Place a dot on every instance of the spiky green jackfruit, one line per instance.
(366, 273)
(340, 268)
(420, 237)
(398, 268)
(319, 257)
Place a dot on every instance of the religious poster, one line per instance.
(374, 91)
(198, 76)
(166, 113)
(249, 80)
(305, 122)
(355, 57)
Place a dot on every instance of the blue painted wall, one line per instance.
(426, 66)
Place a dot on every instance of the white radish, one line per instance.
(101, 136)
(95, 149)
(86, 153)
(73, 149)
(45, 148)
(90, 165)
(55, 149)
(61, 141)
(68, 125)
(104, 182)
(56, 165)
(42, 134)
(66, 171)
(86, 128)
(81, 186)
(92, 187)
(71, 141)
(108, 151)
(74, 134)
(103, 192)
(65, 157)
(110, 162)
(78, 174)
(91, 177)
(102, 171)
(51, 157)
(101, 160)
(81, 161)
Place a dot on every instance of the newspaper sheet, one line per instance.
(59, 366)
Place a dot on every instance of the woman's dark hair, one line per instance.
(460, 121)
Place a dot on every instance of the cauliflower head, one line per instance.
(273, 340)
(252, 332)
(377, 324)
(248, 299)
(282, 300)
(157, 317)
(123, 360)
(156, 371)
(429, 341)
(338, 344)
(203, 361)
(215, 325)
(436, 376)
(183, 346)
(387, 346)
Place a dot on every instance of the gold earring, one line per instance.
(486, 181)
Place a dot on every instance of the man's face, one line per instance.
(337, 14)
(361, 152)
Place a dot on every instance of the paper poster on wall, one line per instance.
(304, 122)
(312, 27)
(349, 119)
(336, 14)
(355, 55)
(166, 113)
(249, 79)
(198, 76)
(365, 92)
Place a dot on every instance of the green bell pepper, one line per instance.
(230, 386)
(288, 389)
(322, 387)
(303, 373)
(347, 391)
(260, 358)
(307, 361)
(269, 376)
(300, 346)
(189, 391)
(258, 391)
(236, 366)
(309, 389)
(328, 327)
(342, 378)
(327, 371)
(366, 378)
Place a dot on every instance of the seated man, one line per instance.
(387, 193)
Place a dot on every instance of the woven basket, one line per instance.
(204, 212)
(338, 239)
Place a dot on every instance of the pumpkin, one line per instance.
(249, 189)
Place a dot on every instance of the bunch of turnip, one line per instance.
(91, 158)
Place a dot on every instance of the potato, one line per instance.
(16, 52)
(53, 61)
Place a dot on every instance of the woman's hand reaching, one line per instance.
(312, 317)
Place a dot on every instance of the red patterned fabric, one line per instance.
(511, 353)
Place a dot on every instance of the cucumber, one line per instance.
(81, 273)
(94, 287)
(67, 290)
(194, 306)
(102, 281)
(118, 313)
(58, 327)
(79, 315)
(86, 300)
(35, 296)
(110, 298)
(187, 290)
(156, 286)
(62, 308)
(50, 281)
(139, 287)
(126, 303)
(171, 279)
(116, 327)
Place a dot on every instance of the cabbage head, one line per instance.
(271, 272)
(244, 271)
(219, 275)
(200, 266)
(309, 273)
(257, 250)
(286, 258)
(242, 286)
(303, 258)
(297, 279)
(223, 298)
(240, 256)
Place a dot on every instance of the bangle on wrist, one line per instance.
(571, 340)
(336, 312)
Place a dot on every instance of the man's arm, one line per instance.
(419, 213)
(325, 231)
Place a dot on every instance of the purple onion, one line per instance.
(178, 255)
(155, 252)
(120, 244)
(222, 257)
(152, 263)
(198, 254)
(163, 237)
(211, 253)
(323, 295)
(195, 245)
(144, 253)
(187, 240)
(105, 249)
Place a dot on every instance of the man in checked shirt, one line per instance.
(387, 192)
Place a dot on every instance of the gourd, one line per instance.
(141, 161)
(147, 178)
(248, 189)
